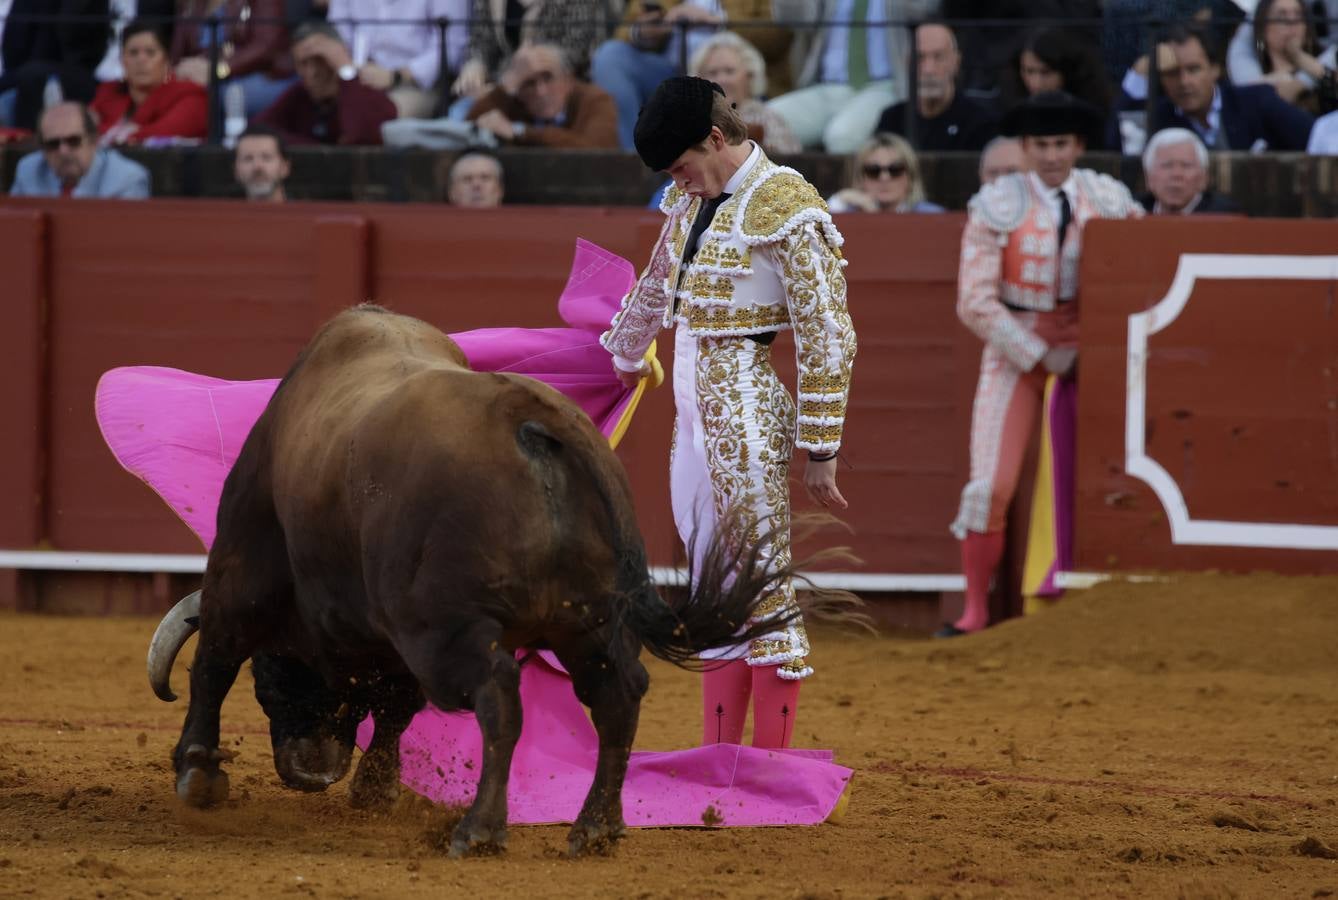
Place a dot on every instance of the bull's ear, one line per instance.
(536, 440)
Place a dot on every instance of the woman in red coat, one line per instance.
(149, 103)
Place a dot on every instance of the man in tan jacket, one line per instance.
(539, 103)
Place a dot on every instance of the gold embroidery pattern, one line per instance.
(824, 336)
(750, 320)
(714, 255)
(747, 422)
(776, 201)
(723, 223)
(643, 309)
(706, 286)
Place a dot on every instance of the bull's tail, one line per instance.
(719, 609)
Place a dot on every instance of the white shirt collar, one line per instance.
(736, 180)
(1069, 187)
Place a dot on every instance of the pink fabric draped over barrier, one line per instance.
(181, 433)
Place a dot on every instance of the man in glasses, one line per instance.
(1018, 291)
(539, 103)
(747, 250)
(70, 163)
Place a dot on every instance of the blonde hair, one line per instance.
(915, 192)
(748, 55)
(725, 117)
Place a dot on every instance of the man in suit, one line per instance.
(1175, 165)
(539, 103)
(1224, 116)
(71, 165)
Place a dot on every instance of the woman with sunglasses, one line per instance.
(149, 104)
(884, 177)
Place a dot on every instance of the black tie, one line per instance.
(699, 225)
(1065, 215)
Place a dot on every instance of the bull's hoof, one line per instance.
(375, 786)
(594, 838)
(308, 764)
(473, 839)
(201, 783)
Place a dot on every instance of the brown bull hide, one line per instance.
(395, 526)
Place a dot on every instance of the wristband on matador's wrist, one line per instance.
(814, 456)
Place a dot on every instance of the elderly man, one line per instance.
(328, 105)
(943, 118)
(1001, 156)
(260, 164)
(475, 181)
(1175, 164)
(70, 163)
(539, 103)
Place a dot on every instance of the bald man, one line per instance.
(539, 103)
(70, 163)
(943, 118)
(1001, 156)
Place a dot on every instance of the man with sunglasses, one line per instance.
(748, 249)
(539, 103)
(1018, 291)
(70, 164)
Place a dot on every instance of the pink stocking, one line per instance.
(775, 702)
(980, 557)
(725, 693)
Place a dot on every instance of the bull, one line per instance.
(394, 528)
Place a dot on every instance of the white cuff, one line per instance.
(623, 364)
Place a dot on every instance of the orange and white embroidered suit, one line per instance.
(1018, 291)
(769, 261)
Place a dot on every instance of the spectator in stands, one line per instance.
(851, 71)
(1284, 51)
(884, 177)
(658, 37)
(70, 164)
(735, 65)
(329, 104)
(1055, 59)
(254, 51)
(1001, 156)
(539, 103)
(943, 118)
(36, 47)
(150, 104)
(475, 181)
(158, 12)
(261, 165)
(1224, 116)
(987, 47)
(1126, 23)
(577, 26)
(396, 48)
(1175, 165)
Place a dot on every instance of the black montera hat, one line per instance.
(677, 116)
(1049, 113)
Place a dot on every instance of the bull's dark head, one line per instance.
(311, 727)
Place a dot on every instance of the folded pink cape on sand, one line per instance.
(180, 433)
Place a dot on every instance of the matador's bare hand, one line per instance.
(820, 482)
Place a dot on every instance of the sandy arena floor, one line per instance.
(1176, 740)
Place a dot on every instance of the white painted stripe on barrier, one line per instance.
(1185, 529)
(74, 561)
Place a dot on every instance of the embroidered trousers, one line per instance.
(733, 439)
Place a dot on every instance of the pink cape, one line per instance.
(181, 432)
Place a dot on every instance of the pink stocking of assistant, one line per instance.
(980, 557)
(775, 702)
(725, 692)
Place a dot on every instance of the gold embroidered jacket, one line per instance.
(770, 261)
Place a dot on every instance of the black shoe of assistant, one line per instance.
(949, 630)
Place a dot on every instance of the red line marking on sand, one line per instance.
(72, 725)
(1151, 790)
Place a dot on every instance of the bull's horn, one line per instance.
(173, 632)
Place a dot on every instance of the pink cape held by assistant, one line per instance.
(181, 432)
